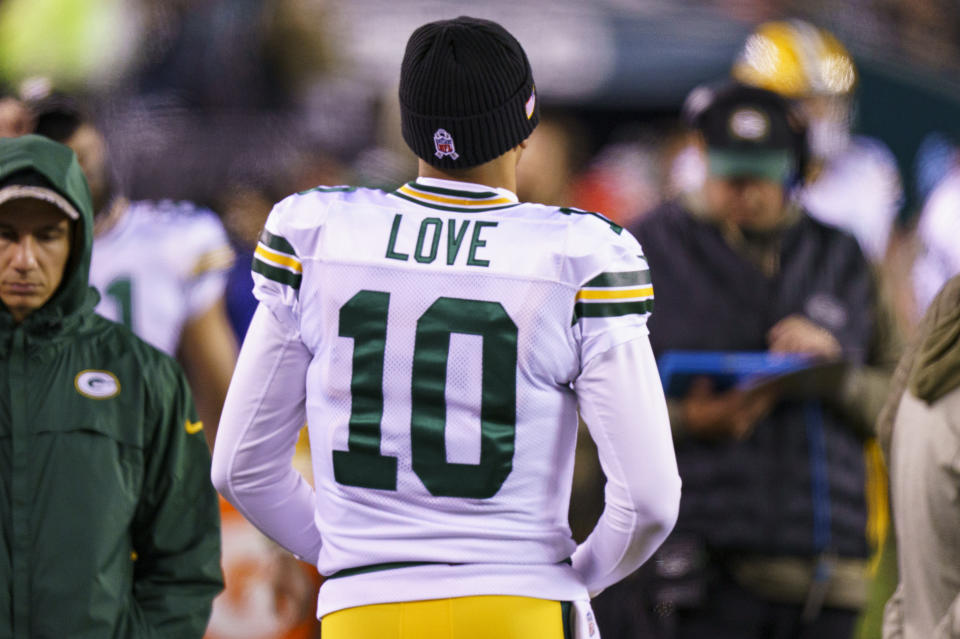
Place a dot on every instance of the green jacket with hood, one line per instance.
(109, 526)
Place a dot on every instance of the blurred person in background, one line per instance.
(246, 199)
(15, 117)
(443, 513)
(161, 267)
(771, 540)
(919, 429)
(852, 181)
(916, 266)
(937, 240)
(108, 520)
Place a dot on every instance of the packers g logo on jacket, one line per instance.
(97, 384)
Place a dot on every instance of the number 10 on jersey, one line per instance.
(364, 318)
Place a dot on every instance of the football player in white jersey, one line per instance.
(937, 231)
(160, 267)
(853, 182)
(439, 340)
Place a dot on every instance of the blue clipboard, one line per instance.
(727, 369)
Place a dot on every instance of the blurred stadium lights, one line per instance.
(615, 53)
(77, 43)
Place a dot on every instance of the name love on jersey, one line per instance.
(429, 247)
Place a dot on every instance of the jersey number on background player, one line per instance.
(364, 318)
(121, 291)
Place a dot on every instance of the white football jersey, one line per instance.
(938, 258)
(446, 322)
(159, 265)
(860, 192)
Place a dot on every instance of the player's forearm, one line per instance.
(208, 352)
(261, 418)
(622, 403)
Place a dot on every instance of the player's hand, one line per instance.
(294, 596)
(728, 415)
(797, 334)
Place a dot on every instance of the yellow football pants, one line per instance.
(479, 617)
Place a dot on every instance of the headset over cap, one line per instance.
(466, 93)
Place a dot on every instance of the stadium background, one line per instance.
(219, 90)
(236, 103)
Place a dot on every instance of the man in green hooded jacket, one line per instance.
(109, 526)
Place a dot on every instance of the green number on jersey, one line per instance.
(121, 291)
(364, 318)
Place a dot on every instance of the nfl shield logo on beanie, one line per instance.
(443, 143)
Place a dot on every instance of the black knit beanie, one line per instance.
(466, 93)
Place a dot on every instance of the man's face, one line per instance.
(34, 247)
(91, 150)
(749, 202)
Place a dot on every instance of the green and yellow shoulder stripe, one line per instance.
(218, 259)
(614, 294)
(275, 259)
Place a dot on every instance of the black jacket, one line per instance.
(795, 486)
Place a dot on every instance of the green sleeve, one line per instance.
(866, 388)
(176, 531)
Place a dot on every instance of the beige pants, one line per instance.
(925, 489)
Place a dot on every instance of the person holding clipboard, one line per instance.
(770, 539)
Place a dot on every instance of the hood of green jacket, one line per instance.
(59, 165)
(937, 368)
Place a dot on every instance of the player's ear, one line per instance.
(519, 149)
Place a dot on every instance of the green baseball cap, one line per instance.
(775, 165)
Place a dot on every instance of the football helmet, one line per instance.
(805, 63)
(795, 59)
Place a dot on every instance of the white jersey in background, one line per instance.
(859, 191)
(447, 332)
(938, 232)
(161, 264)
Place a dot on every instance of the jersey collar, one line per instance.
(451, 195)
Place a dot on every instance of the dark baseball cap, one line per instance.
(749, 132)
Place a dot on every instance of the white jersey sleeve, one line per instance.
(261, 420)
(615, 297)
(621, 400)
(277, 267)
(622, 403)
(939, 253)
(859, 191)
(211, 259)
